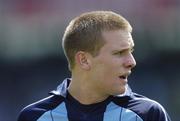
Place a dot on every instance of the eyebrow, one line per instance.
(124, 49)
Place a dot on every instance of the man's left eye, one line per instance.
(119, 53)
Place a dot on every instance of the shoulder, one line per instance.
(146, 108)
(33, 111)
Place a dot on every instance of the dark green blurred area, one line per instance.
(32, 62)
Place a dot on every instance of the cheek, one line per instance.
(107, 70)
(107, 67)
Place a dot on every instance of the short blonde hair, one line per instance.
(84, 33)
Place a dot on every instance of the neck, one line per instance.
(84, 93)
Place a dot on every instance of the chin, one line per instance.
(120, 91)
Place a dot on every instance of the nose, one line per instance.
(129, 61)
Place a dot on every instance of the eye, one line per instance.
(119, 53)
(123, 52)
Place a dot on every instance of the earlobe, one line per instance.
(82, 60)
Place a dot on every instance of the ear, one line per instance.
(83, 60)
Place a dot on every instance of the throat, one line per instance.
(86, 96)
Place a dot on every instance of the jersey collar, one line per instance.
(63, 87)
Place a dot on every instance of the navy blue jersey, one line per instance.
(61, 106)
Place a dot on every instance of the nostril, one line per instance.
(130, 62)
(130, 65)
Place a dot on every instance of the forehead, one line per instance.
(117, 39)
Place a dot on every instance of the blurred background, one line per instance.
(32, 62)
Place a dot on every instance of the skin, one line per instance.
(96, 78)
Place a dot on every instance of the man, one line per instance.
(98, 46)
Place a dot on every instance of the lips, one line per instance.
(125, 75)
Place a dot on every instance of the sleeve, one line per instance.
(29, 115)
(158, 113)
(35, 110)
(23, 116)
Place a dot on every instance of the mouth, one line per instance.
(124, 76)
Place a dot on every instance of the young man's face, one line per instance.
(112, 66)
